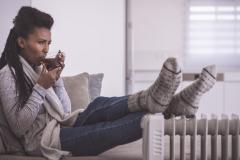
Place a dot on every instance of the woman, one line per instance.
(36, 105)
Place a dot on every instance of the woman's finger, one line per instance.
(62, 65)
(44, 69)
(57, 71)
(61, 56)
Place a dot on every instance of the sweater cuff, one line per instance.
(40, 90)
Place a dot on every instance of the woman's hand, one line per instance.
(48, 78)
(61, 58)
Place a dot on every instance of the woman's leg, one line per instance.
(103, 109)
(155, 99)
(96, 138)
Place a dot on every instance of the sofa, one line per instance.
(131, 151)
(82, 89)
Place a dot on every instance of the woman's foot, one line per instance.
(158, 96)
(187, 101)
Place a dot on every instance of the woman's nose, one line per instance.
(45, 49)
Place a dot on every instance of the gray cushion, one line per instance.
(95, 85)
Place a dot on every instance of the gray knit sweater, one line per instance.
(28, 122)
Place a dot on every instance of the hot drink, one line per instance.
(52, 63)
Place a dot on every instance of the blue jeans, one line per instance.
(105, 124)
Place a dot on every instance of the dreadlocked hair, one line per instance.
(25, 22)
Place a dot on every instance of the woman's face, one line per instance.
(35, 47)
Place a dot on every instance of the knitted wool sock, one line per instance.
(157, 97)
(186, 102)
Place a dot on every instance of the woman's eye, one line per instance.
(44, 42)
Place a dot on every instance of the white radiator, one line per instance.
(156, 129)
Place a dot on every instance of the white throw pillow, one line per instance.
(77, 89)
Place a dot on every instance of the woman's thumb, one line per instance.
(44, 69)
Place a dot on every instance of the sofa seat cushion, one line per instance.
(130, 151)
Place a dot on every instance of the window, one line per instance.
(213, 33)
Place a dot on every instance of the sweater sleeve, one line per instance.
(19, 119)
(62, 95)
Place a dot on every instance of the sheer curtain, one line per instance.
(213, 33)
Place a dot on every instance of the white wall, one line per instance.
(8, 10)
(92, 35)
(90, 32)
(157, 31)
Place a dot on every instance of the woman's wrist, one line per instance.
(40, 90)
(59, 83)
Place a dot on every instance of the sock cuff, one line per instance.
(133, 105)
(173, 72)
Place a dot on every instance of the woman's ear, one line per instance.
(21, 42)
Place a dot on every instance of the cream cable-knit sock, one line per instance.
(158, 96)
(186, 102)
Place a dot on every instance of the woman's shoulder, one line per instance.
(5, 69)
(6, 74)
